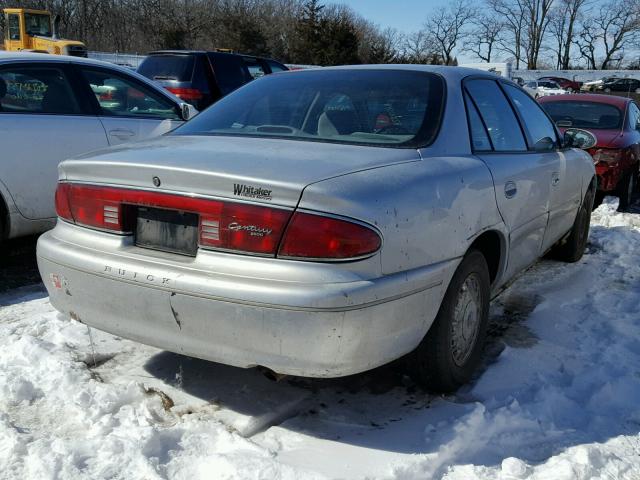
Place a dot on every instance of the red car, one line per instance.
(615, 122)
(569, 85)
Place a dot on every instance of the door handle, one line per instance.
(555, 178)
(510, 189)
(122, 133)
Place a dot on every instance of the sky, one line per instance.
(405, 15)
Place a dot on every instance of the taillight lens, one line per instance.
(186, 94)
(246, 228)
(317, 237)
(62, 202)
(223, 225)
(610, 156)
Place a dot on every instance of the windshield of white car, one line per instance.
(580, 114)
(398, 108)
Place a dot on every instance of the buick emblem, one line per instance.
(156, 181)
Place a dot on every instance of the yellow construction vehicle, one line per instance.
(33, 31)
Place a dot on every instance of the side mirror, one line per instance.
(187, 111)
(578, 138)
(545, 144)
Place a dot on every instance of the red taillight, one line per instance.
(62, 202)
(186, 94)
(241, 227)
(314, 236)
(223, 225)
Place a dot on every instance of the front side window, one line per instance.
(583, 114)
(37, 24)
(377, 107)
(120, 96)
(534, 118)
(502, 124)
(13, 30)
(44, 90)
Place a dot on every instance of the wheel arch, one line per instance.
(5, 219)
(493, 246)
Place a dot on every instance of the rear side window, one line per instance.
(479, 138)
(534, 118)
(501, 121)
(255, 67)
(43, 90)
(168, 67)
(230, 71)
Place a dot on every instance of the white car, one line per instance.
(55, 107)
(543, 88)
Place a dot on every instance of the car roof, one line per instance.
(45, 57)
(614, 100)
(449, 72)
(205, 52)
(29, 57)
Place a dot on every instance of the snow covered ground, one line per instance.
(559, 397)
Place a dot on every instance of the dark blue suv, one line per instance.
(200, 77)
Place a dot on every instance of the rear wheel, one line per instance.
(451, 350)
(627, 190)
(572, 247)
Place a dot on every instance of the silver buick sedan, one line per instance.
(322, 222)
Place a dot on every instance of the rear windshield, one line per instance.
(376, 107)
(168, 67)
(579, 114)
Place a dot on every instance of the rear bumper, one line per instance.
(318, 320)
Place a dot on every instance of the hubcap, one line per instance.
(467, 316)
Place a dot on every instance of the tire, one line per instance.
(599, 198)
(627, 190)
(607, 90)
(446, 358)
(569, 90)
(571, 248)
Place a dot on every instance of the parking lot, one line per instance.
(550, 401)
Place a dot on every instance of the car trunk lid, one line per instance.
(258, 170)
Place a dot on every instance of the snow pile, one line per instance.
(559, 397)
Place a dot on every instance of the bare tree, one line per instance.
(513, 17)
(417, 47)
(537, 21)
(448, 27)
(483, 38)
(562, 25)
(587, 42)
(618, 22)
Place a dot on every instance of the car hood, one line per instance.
(262, 170)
